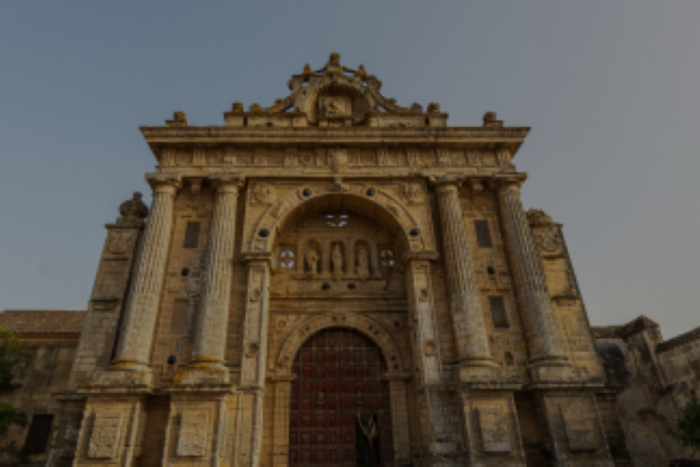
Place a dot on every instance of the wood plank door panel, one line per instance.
(339, 375)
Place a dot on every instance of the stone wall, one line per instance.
(651, 379)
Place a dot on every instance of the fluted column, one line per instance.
(465, 300)
(544, 340)
(212, 321)
(144, 296)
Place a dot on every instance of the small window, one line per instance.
(483, 235)
(387, 257)
(191, 235)
(287, 259)
(498, 312)
(38, 435)
(337, 219)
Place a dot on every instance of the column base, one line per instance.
(202, 371)
(122, 375)
(479, 370)
(545, 373)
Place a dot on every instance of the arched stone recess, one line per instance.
(416, 233)
(363, 324)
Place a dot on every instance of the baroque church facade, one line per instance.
(334, 280)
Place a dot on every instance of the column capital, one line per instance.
(160, 180)
(258, 257)
(233, 181)
(510, 182)
(427, 256)
(447, 182)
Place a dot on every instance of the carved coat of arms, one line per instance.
(339, 159)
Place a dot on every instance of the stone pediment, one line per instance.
(334, 96)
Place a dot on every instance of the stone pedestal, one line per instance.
(131, 365)
(492, 434)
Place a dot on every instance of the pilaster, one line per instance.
(253, 366)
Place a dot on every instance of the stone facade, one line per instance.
(284, 251)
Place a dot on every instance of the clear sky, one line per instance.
(610, 90)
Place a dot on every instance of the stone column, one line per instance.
(253, 367)
(212, 321)
(143, 300)
(465, 300)
(541, 326)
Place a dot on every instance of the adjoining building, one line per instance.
(337, 280)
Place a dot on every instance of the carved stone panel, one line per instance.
(194, 431)
(106, 434)
(579, 428)
(495, 434)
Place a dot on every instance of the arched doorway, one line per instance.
(340, 405)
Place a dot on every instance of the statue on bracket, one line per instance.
(337, 260)
(363, 262)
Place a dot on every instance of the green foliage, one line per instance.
(15, 356)
(10, 416)
(688, 427)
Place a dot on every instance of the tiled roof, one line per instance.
(43, 321)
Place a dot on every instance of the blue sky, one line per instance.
(609, 89)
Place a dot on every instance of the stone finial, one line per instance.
(132, 212)
(433, 108)
(537, 217)
(361, 73)
(491, 120)
(255, 108)
(308, 72)
(416, 108)
(179, 119)
(237, 108)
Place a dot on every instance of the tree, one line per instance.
(688, 426)
(15, 356)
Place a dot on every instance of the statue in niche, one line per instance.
(312, 261)
(363, 261)
(337, 259)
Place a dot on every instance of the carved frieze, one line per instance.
(119, 241)
(106, 435)
(264, 193)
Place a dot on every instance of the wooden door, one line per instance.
(339, 375)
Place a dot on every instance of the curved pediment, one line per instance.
(335, 95)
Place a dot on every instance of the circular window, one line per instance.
(287, 259)
(337, 219)
(387, 256)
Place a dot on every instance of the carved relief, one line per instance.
(200, 156)
(119, 241)
(194, 430)
(334, 106)
(414, 192)
(444, 157)
(106, 435)
(579, 427)
(312, 259)
(495, 433)
(214, 158)
(229, 156)
(362, 261)
(339, 159)
(264, 193)
(548, 240)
